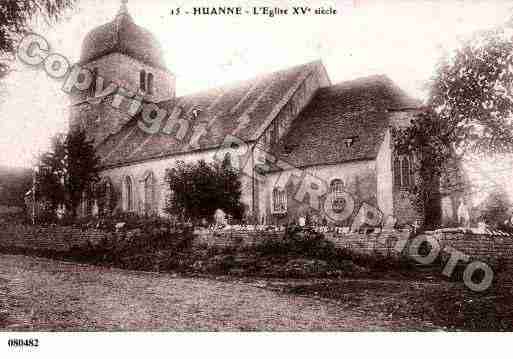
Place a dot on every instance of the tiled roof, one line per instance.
(356, 110)
(242, 109)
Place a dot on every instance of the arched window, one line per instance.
(149, 193)
(150, 83)
(405, 172)
(397, 172)
(105, 197)
(336, 186)
(142, 80)
(109, 196)
(129, 194)
(279, 200)
(227, 161)
(337, 189)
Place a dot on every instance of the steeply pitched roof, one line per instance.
(356, 110)
(242, 109)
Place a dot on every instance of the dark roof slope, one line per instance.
(241, 109)
(355, 109)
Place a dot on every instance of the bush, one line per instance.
(299, 241)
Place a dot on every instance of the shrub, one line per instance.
(298, 241)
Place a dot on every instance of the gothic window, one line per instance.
(109, 196)
(129, 194)
(336, 186)
(279, 200)
(149, 193)
(228, 160)
(405, 172)
(397, 172)
(337, 189)
(142, 81)
(150, 83)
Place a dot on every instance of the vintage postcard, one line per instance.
(241, 166)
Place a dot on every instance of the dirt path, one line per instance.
(42, 294)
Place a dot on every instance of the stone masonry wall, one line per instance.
(53, 238)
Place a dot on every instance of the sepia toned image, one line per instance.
(279, 166)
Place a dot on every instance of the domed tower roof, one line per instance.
(123, 36)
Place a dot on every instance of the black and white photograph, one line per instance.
(294, 167)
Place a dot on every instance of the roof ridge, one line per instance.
(249, 80)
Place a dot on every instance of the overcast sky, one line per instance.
(400, 39)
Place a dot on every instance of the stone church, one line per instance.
(305, 126)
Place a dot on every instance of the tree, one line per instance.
(496, 208)
(82, 166)
(469, 110)
(51, 173)
(15, 17)
(472, 92)
(198, 190)
(67, 171)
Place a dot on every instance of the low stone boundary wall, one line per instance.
(383, 244)
(492, 249)
(234, 238)
(54, 238)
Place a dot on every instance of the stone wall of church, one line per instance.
(125, 72)
(100, 120)
(385, 179)
(98, 116)
(359, 179)
(138, 171)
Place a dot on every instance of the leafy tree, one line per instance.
(15, 17)
(82, 166)
(470, 109)
(199, 189)
(473, 92)
(496, 208)
(51, 173)
(69, 169)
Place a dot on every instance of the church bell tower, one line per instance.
(126, 56)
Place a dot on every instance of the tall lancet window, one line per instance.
(142, 81)
(150, 84)
(149, 193)
(129, 194)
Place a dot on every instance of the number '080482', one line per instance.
(23, 342)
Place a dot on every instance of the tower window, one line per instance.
(150, 83)
(142, 81)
